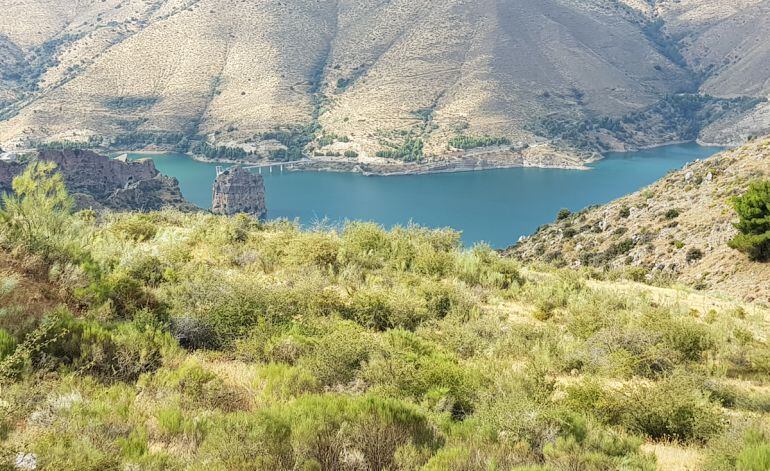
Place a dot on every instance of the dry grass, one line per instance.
(673, 457)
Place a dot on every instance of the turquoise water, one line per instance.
(495, 206)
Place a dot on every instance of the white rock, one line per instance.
(26, 461)
(688, 177)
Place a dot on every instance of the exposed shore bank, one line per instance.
(539, 156)
(535, 157)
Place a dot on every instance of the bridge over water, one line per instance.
(268, 165)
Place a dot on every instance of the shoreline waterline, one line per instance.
(394, 169)
(493, 205)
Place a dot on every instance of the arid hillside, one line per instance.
(678, 227)
(401, 80)
(725, 44)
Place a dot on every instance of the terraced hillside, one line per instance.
(402, 80)
(678, 227)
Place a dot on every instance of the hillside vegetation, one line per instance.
(191, 341)
(678, 228)
(382, 80)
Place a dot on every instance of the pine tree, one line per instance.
(753, 208)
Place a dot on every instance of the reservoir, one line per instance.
(493, 206)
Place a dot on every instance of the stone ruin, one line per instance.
(238, 191)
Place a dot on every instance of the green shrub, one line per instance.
(315, 248)
(216, 311)
(482, 266)
(249, 442)
(473, 142)
(338, 354)
(330, 431)
(365, 245)
(196, 386)
(431, 262)
(286, 347)
(63, 342)
(744, 449)
(754, 458)
(586, 445)
(409, 367)
(672, 214)
(410, 150)
(174, 423)
(374, 309)
(624, 351)
(675, 408)
(38, 215)
(753, 208)
(283, 382)
(687, 336)
(7, 344)
(137, 228)
(549, 296)
(693, 255)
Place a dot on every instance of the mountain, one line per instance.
(536, 81)
(676, 228)
(724, 44)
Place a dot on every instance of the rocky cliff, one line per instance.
(99, 182)
(8, 170)
(237, 191)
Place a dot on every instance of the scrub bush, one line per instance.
(676, 408)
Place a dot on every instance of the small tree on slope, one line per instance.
(753, 208)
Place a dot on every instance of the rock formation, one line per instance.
(8, 170)
(98, 182)
(237, 190)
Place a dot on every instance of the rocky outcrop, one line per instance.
(96, 175)
(99, 182)
(150, 195)
(237, 191)
(8, 170)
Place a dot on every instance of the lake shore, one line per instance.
(475, 160)
(542, 156)
(496, 205)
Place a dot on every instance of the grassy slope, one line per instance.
(660, 239)
(324, 350)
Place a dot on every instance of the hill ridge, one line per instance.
(678, 227)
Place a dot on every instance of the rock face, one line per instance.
(93, 174)
(239, 191)
(8, 170)
(98, 182)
